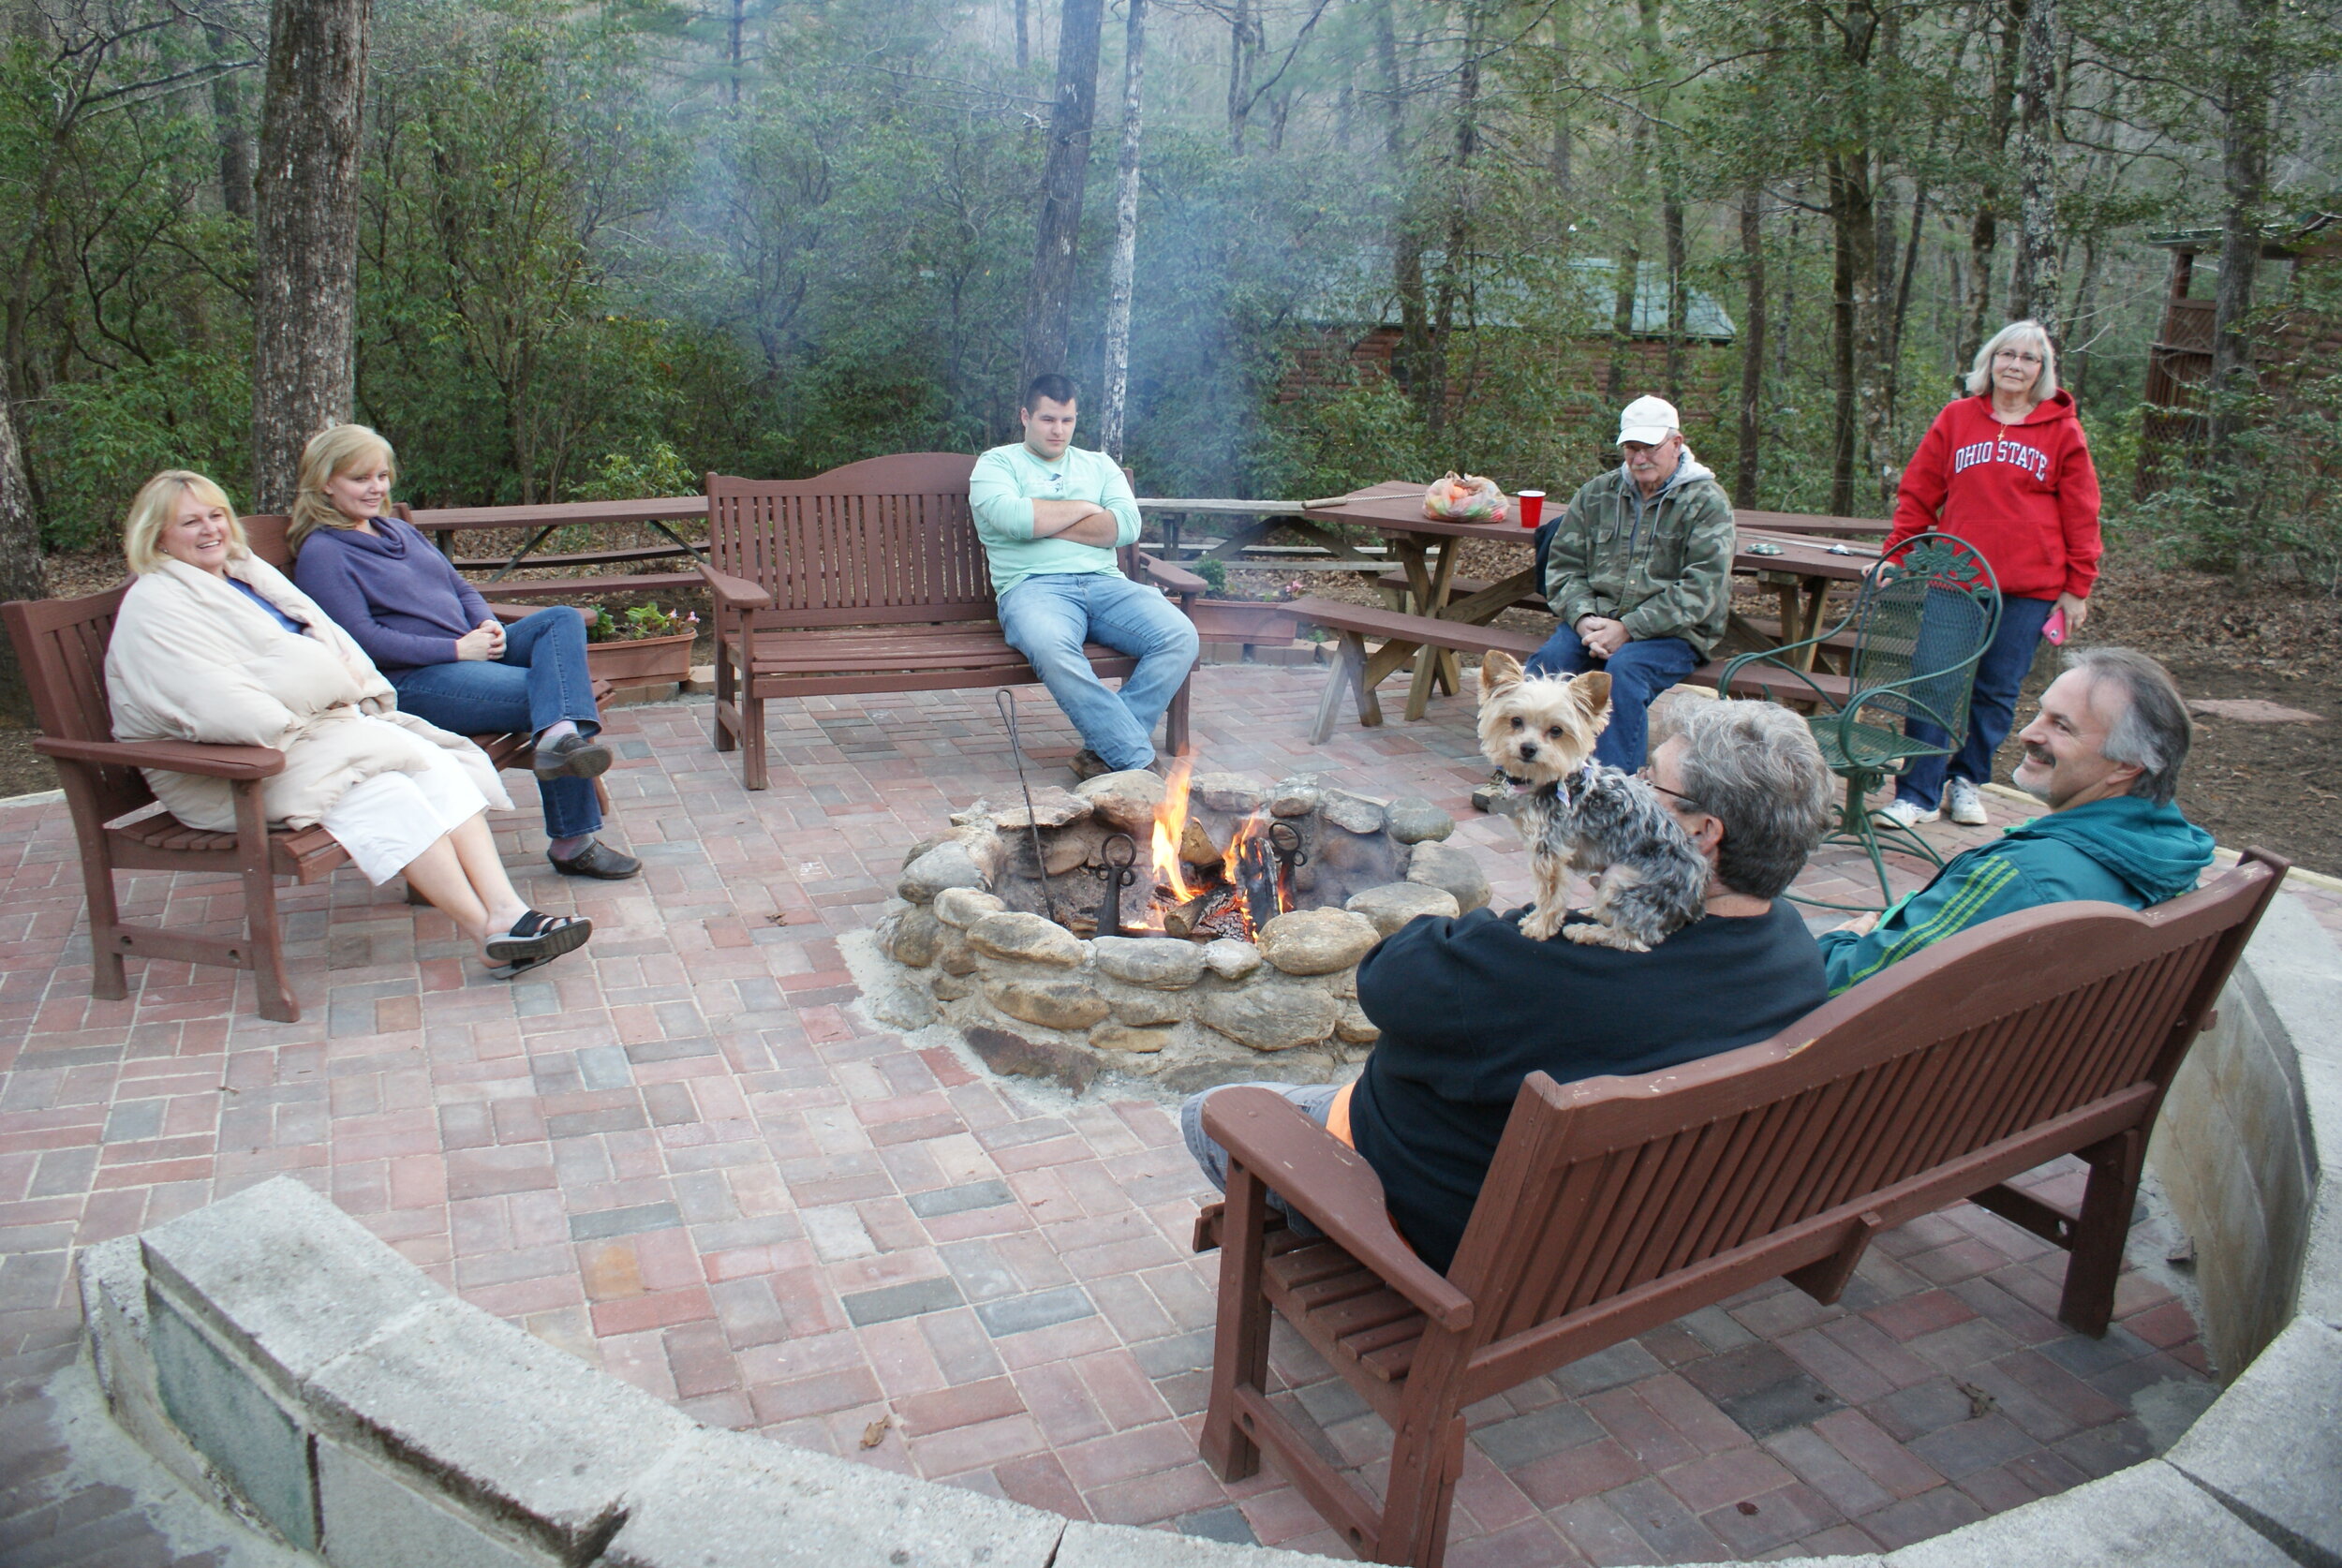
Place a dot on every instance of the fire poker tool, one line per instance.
(1005, 700)
(1120, 853)
(1285, 839)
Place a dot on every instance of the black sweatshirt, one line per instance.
(1470, 1007)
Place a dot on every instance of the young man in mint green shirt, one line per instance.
(1051, 517)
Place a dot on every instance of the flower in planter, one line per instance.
(1295, 588)
(641, 621)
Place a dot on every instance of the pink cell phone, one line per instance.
(2054, 628)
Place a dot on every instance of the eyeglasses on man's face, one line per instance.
(1685, 800)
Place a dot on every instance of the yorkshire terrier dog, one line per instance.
(1648, 881)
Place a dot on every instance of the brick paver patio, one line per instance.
(686, 1156)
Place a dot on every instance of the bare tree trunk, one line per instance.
(1854, 282)
(1240, 48)
(22, 572)
(1118, 366)
(1455, 257)
(1049, 305)
(1623, 322)
(1984, 231)
(1679, 299)
(2244, 175)
(227, 129)
(1415, 331)
(2033, 288)
(1558, 159)
(738, 16)
(1752, 351)
(305, 284)
(1024, 47)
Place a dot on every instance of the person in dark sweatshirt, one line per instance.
(2008, 470)
(451, 662)
(1469, 1006)
(2105, 754)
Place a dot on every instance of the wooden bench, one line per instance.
(1617, 1204)
(1359, 670)
(61, 646)
(868, 578)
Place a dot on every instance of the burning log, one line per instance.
(1256, 871)
(1184, 920)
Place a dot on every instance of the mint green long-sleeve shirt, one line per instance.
(1001, 491)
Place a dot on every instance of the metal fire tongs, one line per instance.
(1005, 700)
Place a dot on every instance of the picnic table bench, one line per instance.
(1617, 1204)
(445, 524)
(868, 578)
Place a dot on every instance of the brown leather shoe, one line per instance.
(598, 858)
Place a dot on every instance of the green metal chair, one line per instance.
(1921, 622)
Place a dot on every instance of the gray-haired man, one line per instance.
(2104, 753)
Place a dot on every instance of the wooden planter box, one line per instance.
(1243, 620)
(644, 661)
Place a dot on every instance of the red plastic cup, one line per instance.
(1531, 504)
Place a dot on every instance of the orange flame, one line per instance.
(1170, 826)
(1250, 843)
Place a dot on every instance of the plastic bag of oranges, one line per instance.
(1464, 499)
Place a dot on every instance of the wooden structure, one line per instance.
(61, 646)
(867, 578)
(2179, 361)
(1616, 1204)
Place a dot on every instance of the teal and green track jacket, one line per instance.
(2125, 850)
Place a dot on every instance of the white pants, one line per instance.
(386, 821)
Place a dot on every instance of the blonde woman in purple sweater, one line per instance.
(453, 664)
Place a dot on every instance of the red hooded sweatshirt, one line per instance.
(2025, 495)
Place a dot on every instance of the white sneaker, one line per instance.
(1966, 803)
(1906, 814)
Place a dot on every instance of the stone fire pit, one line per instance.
(972, 928)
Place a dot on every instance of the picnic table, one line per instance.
(1800, 569)
(445, 523)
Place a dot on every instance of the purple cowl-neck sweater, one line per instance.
(399, 597)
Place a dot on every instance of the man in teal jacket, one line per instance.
(2105, 754)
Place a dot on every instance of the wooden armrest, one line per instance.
(734, 593)
(1306, 1166)
(212, 761)
(1164, 575)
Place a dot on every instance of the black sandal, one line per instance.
(538, 939)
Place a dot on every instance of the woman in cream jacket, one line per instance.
(214, 644)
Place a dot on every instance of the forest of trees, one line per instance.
(603, 248)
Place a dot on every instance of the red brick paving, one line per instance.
(684, 1156)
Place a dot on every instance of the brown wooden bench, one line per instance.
(61, 646)
(867, 578)
(1361, 669)
(1617, 1204)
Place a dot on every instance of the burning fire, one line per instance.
(1170, 825)
(1252, 877)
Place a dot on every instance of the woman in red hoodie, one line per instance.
(2008, 470)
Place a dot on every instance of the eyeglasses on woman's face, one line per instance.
(2017, 356)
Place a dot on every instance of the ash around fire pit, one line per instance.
(1248, 907)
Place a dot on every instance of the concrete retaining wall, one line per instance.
(277, 1356)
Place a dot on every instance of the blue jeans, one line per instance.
(1991, 705)
(1639, 670)
(1313, 1101)
(1049, 616)
(540, 680)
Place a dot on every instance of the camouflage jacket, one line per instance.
(1664, 568)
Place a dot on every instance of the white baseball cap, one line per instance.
(1648, 420)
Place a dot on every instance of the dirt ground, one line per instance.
(2277, 785)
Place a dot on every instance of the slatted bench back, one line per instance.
(1954, 1070)
(61, 645)
(885, 541)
